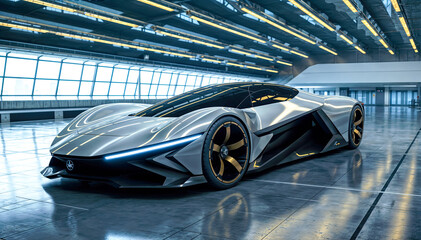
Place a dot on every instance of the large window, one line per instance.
(325, 92)
(368, 97)
(40, 77)
(402, 97)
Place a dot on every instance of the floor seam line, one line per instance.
(58, 204)
(374, 204)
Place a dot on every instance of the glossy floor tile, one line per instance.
(373, 192)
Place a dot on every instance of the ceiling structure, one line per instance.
(260, 37)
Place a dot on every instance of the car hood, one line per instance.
(129, 132)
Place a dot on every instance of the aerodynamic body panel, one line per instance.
(289, 127)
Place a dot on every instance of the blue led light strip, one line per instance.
(155, 147)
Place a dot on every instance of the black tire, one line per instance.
(356, 126)
(226, 153)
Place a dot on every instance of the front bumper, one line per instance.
(130, 173)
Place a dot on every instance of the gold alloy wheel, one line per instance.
(357, 126)
(229, 152)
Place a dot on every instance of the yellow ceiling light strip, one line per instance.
(23, 27)
(396, 5)
(251, 67)
(277, 25)
(264, 58)
(189, 39)
(280, 47)
(360, 49)
(369, 27)
(299, 54)
(47, 4)
(413, 44)
(211, 60)
(383, 43)
(252, 54)
(240, 52)
(405, 26)
(291, 51)
(323, 23)
(110, 19)
(68, 9)
(391, 52)
(235, 64)
(350, 6)
(346, 39)
(151, 3)
(284, 63)
(114, 43)
(123, 44)
(270, 70)
(226, 29)
(328, 50)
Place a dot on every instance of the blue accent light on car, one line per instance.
(168, 144)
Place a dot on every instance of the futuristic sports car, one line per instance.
(213, 134)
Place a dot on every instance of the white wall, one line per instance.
(359, 74)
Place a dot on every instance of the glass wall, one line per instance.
(402, 97)
(325, 92)
(40, 77)
(368, 97)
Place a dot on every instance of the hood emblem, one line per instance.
(70, 165)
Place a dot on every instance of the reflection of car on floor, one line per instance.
(213, 134)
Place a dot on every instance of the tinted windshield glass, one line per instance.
(268, 94)
(235, 95)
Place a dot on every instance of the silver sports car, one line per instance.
(213, 134)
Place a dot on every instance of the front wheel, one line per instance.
(226, 153)
(356, 126)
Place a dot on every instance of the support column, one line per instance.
(387, 96)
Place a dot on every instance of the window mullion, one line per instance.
(185, 84)
(169, 84)
(159, 81)
(111, 80)
(138, 83)
(176, 84)
(35, 77)
(4, 74)
(94, 80)
(80, 80)
(150, 86)
(59, 76)
(127, 80)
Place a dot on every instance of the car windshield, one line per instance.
(234, 95)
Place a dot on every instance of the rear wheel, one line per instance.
(356, 125)
(226, 153)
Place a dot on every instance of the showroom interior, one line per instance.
(61, 59)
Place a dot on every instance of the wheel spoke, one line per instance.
(221, 169)
(357, 132)
(228, 134)
(234, 163)
(358, 122)
(236, 145)
(216, 148)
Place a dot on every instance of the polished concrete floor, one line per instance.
(373, 192)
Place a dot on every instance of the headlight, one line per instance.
(160, 146)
